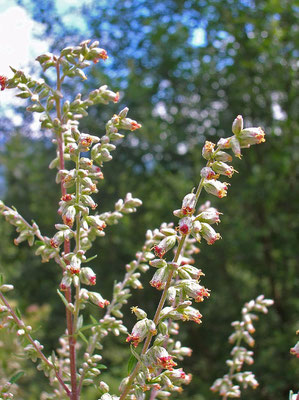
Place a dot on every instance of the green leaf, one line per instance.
(89, 326)
(80, 322)
(91, 258)
(39, 242)
(94, 320)
(1, 279)
(101, 366)
(65, 302)
(18, 312)
(83, 337)
(53, 357)
(16, 377)
(131, 363)
(23, 95)
(135, 354)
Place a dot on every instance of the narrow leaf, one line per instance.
(16, 377)
(91, 258)
(83, 337)
(62, 298)
(131, 363)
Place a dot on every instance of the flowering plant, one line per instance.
(79, 161)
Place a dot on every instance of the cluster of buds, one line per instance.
(180, 278)
(218, 159)
(140, 330)
(200, 225)
(243, 332)
(74, 59)
(5, 391)
(26, 231)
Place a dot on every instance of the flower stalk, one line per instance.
(179, 280)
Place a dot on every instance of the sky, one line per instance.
(19, 44)
(18, 37)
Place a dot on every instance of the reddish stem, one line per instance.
(67, 249)
(38, 350)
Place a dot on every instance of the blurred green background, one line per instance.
(185, 69)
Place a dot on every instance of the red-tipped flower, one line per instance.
(3, 81)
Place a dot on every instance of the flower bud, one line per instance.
(98, 54)
(208, 173)
(295, 350)
(3, 81)
(237, 125)
(188, 205)
(97, 299)
(223, 156)
(223, 168)
(196, 228)
(140, 314)
(210, 216)
(193, 272)
(216, 188)
(158, 263)
(194, 289)
(163, 359)
(96, 222)
(66, 282)
(191, 313)
(74, 265)
(6, 288)
(165, 245)
(251, 136)
(103, 387)
(223, 143)
(235, 146)
(208, 150)
(57, 239)
(185, 225)
(209, 234)
(128, 124)
(140, 330)
(123, 113)
(160, 278)
(69, 215)
(87, 276)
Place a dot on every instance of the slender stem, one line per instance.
(37, 233)
(161, 302)
(21, 325)
(92, 344)
(67, 248)
(78, 246)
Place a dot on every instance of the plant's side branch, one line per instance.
(92, 344)
(162, 300)
(36, 231)
(37, 348)
(69, 319)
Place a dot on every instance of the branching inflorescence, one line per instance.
(153, 370)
